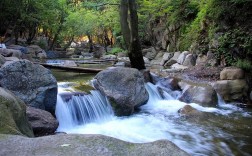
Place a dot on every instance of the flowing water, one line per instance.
(224, 130)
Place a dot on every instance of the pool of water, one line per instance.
(224, 130)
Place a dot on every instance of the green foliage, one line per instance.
(235, 45)
(244, 64)
(115, 51)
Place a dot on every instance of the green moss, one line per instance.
(84, 87)
(13, 117)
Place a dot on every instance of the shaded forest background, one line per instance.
(222, 27)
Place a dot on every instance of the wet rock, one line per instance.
(32, 83)
(170, 82)
(12, 115)
(232, 90)
(124, 87)
(188, 110)
(231, 73)
(203, 95)
(84, 145)
(42, 122)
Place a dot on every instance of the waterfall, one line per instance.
(75, 109)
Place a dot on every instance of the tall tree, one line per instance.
(129, 26)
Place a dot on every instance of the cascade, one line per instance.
(75, 109)
(157, 119)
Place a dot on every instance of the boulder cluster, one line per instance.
(28, 93)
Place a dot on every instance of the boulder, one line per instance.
(182, 57)
(203, 95)
(173, 60)
(36, 51)
(189, 61)
(32, 83)
(2, 60)
(24, 50)
(166, 57)
(84, 145)
(201, 59)
(124, 88)
(8, 52)
(151, 54)
(12, 59)
(170, 82)
(232, 73)
(12, 115)
(17, 54)
(42, 122)
(189, 111)
(232, 90)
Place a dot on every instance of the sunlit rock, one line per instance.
(231, 73)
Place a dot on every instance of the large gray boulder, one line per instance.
(13, 118)
(124, 87)
(232, 90)
(32, 83)
(203, 95)
(42, 122)
(83, 145)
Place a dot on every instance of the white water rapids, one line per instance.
(158, 119)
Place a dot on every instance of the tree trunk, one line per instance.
(90, 41)
(130, 33)
(124, 22)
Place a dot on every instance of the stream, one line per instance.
(224, 130)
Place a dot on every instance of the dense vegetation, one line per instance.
(222, 27)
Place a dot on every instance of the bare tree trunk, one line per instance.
(135, 52)
(90, 41)
(130, 33)
(124, 21)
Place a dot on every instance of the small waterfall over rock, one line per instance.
(75, 109)
(157, 119)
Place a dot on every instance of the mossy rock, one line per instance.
(83, 87)
(13, 115)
